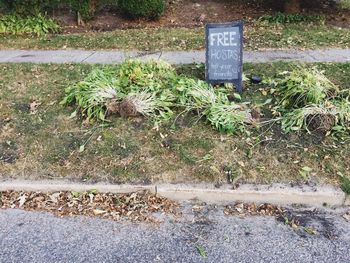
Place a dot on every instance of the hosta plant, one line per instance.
(231, 118)
(303, 86)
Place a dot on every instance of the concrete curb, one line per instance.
(347, 201)
(276, 194)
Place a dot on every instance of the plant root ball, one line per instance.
(256, 113)
(113, 107)
(127, 109)
(321, 122)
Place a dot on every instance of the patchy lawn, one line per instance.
(38, 139)
(257, 36)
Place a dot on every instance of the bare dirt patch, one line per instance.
(194, 13)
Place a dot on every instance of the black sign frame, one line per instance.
(236, 82)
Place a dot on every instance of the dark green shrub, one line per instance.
(27, 7)
(86, 9)
(151, 9)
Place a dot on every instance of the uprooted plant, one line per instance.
(303, 86)
(93, 94)
(137, 88)
(229, 117)
(307, 99)
(154, 89)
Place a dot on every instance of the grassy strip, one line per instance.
(259, 35)
(38, 139)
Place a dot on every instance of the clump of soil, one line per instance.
(113, 107)
(321, 122)
(256, 113)
(128, 109)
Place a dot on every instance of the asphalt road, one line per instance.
(205, 236)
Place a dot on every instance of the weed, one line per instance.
(203, 143)
(185, 155)
(310, 230)
(75, 194)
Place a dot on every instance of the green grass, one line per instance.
(345, 185)
(257, 36)
(45, 143)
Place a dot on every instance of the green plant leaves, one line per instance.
(153, 89)
(37, 25)
(306, 98)
(201, 251)
(304, 172)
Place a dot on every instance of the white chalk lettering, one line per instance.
(224, 39)
(224, 54)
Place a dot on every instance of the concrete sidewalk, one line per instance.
(173, 57)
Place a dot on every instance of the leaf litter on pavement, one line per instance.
(137, 206)
(297, 221)
(143, 206)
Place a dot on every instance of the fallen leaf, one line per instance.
(82, 148)
(73, 114)
(54, 197)
(33, 106)
(310, 231)
(22, 199)
(241, 163)
(347, 216)
(98, 212)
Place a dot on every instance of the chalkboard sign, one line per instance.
(224, 53)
